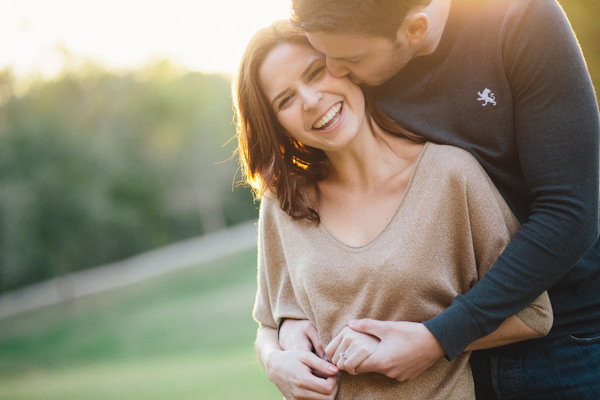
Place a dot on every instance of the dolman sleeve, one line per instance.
(275, 298)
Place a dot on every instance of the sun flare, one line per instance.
(39, 36)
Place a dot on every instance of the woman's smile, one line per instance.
(331, 117)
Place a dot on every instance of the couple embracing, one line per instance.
(428, 175)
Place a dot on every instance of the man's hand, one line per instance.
(406, 349)
(300, 334)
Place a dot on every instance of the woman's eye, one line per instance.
(285, 101)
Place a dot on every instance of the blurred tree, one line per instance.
(95, 167)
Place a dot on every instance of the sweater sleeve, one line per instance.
(557, 129)
(275, 298)
(492, 227)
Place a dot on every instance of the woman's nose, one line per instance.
(310, 98)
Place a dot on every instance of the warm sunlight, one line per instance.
(36, 35)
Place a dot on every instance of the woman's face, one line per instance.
(314, 107)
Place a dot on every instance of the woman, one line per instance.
(359, 219)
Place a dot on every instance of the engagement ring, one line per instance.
(343, 355)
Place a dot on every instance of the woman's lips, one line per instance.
(329, 118)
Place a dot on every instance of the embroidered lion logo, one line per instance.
(486, 97)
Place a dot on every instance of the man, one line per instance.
(506, 80)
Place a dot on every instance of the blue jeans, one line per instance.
(565, 368)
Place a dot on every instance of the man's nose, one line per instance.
(336, 68)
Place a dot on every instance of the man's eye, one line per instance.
(317, 72)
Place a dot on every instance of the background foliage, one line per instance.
(96, 166)
(583, 15)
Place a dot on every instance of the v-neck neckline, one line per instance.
(323, 228)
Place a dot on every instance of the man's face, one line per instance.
(367, 60)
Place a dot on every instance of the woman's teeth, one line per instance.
(329, 118)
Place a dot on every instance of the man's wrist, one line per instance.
(437, 350)
(454, 329)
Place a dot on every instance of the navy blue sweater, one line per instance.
(509, 84)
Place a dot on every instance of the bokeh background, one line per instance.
(116, 128)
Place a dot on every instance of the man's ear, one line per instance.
(415, 27)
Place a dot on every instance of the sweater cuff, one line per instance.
(455, 328)
(281, 321)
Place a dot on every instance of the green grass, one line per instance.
(185, 335)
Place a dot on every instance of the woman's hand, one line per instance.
(350, 348)
(300, 334)
(298, 374)
(292, 372)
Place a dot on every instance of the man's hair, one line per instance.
(370, 17)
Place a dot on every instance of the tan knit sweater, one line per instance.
(449, 228)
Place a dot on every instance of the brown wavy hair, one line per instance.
(270, 159)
